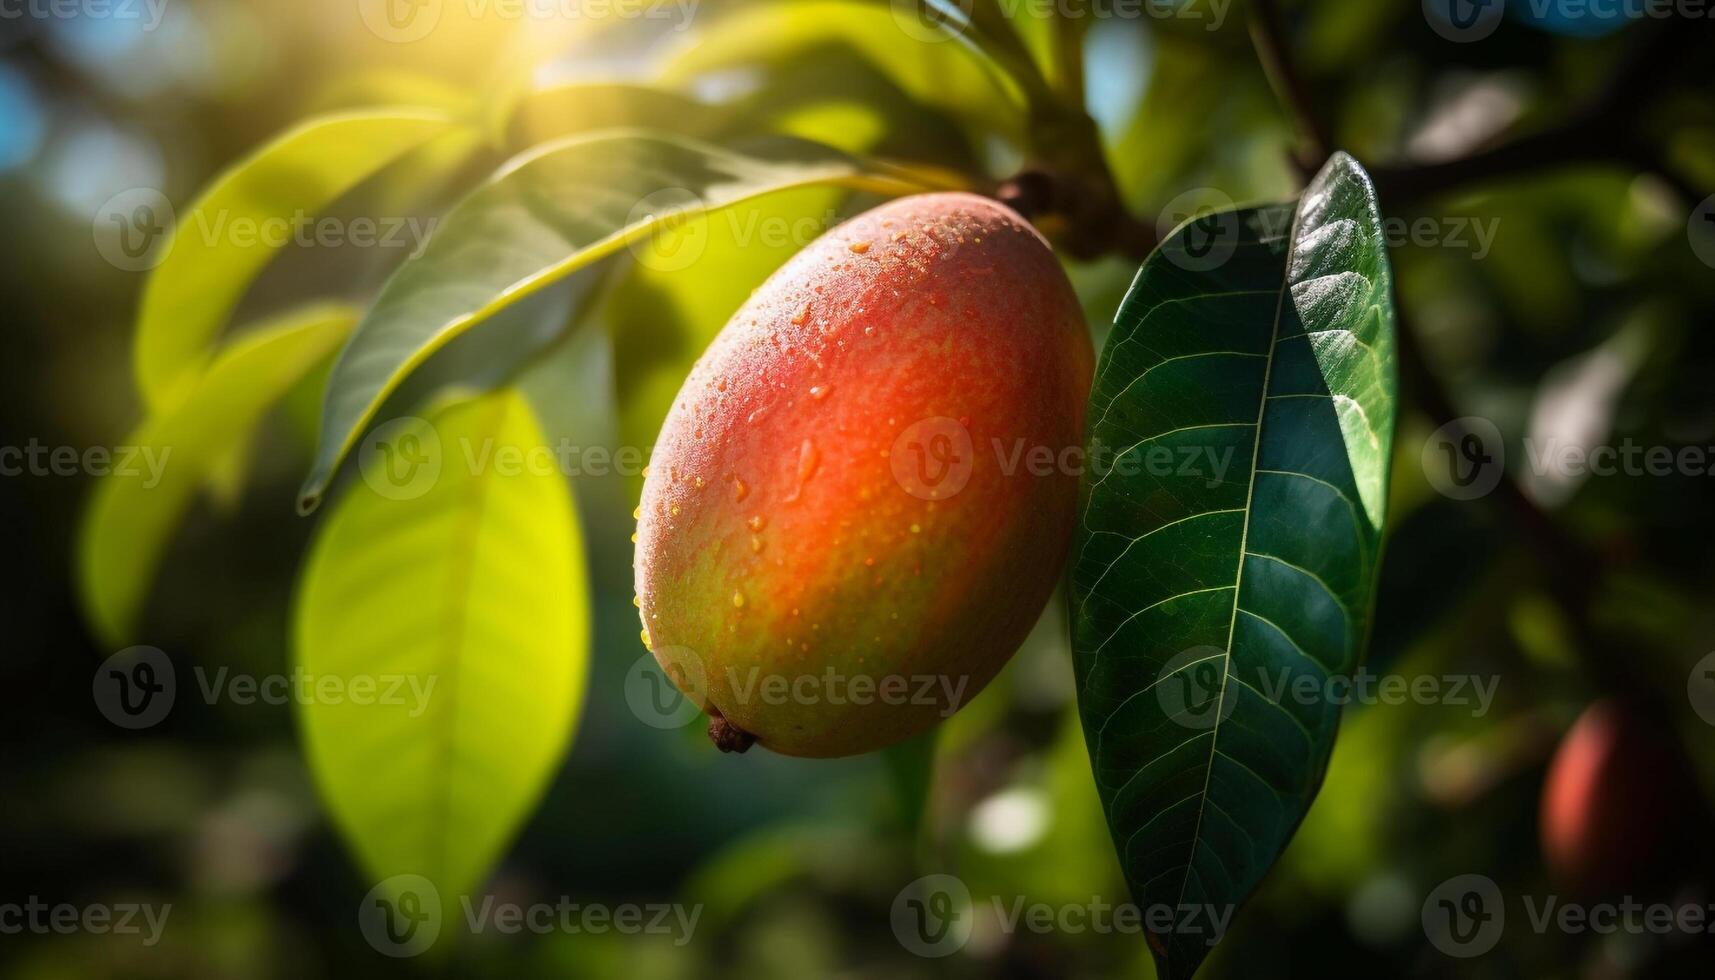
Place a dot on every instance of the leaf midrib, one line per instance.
(848, 176)
(467, 541)
(1244, 546)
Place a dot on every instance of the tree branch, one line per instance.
(1604, 129)
(1269, 35)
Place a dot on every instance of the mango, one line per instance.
(862, 498)
(1620, 804)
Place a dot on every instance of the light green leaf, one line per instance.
(943, 73)
(1226, 557)
(455, 565)
(559, 111)
(546, 215)
(216, 249)
(132, 516)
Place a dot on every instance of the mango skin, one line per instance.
(1620, 811)
(795, 576)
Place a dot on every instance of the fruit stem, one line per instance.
(727, 736)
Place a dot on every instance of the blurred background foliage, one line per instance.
(795, 862)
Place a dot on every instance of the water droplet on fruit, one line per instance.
(739, 490)
(757, 522)
(808, 459)
(637, 601)
(699, 483)
(859, 247)
(637, 513)
(820, 392)
(738, 600)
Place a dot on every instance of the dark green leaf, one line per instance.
(1226, 556)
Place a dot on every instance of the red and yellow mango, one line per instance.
(837, 546)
